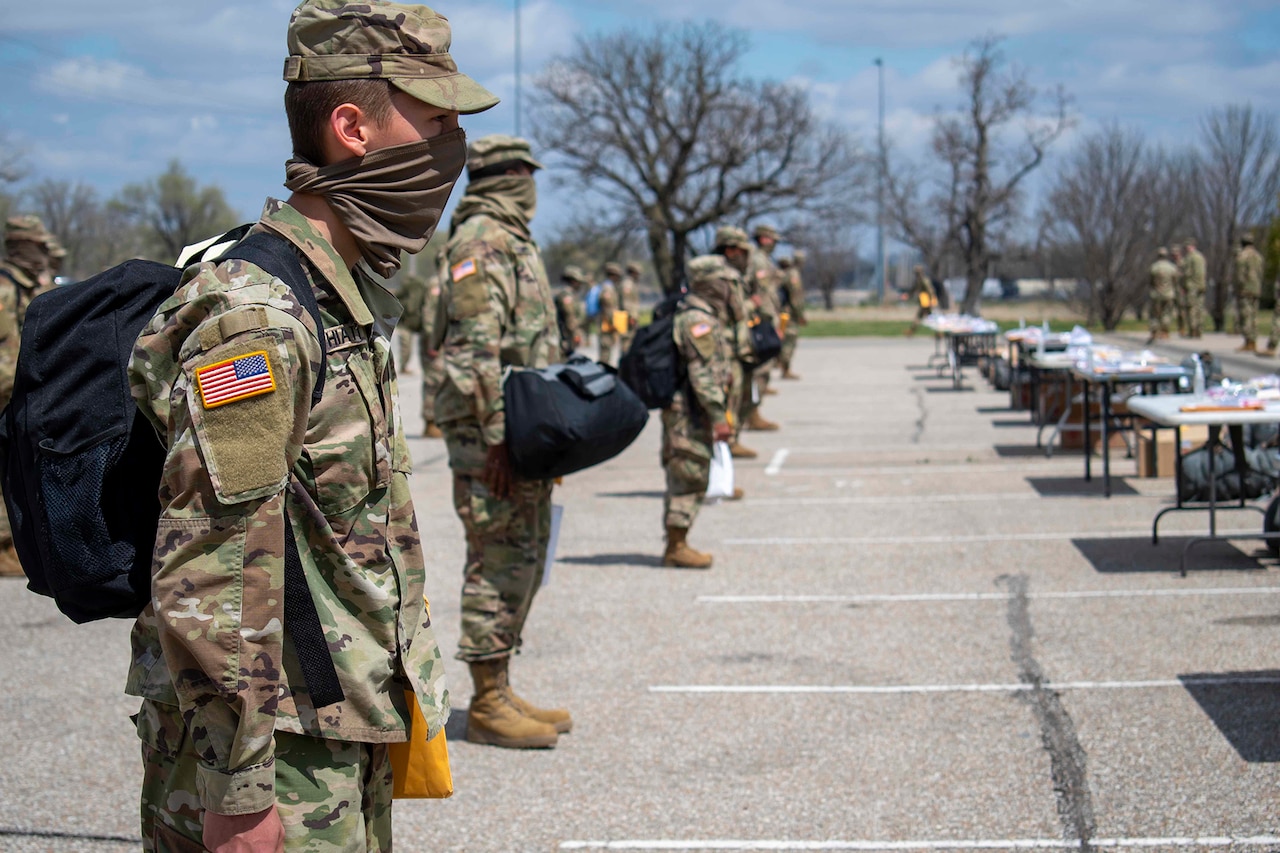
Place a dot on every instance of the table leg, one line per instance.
(1105, 388)
(1088, 437)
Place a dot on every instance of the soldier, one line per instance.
(236, 754)
(1164, 278)
(629, 300)
(733, 245)
(1193, 276)
(413, 291)
(25, 273)
(791, 295)
(609, 303)
(570, 315)
(1179, 288)
(500, 314)
(923, 296)
(698, 414)
(760, 287)
(1248, 291)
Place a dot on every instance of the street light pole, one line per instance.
(517, 2)
(881, 272)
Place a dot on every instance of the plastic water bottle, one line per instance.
(1197, 378)
(1022, 322)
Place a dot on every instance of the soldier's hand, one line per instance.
(497, 471)
(260, 832)
(722, 431)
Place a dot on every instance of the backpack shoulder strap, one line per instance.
(277, 257)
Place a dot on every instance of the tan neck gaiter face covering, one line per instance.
(390, 199)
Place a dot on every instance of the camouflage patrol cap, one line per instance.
(705, 268)
(55, 248)
(1162, 252)
(765, 230)
(499, 148)
(573, 273)
(785, 263)
(801, 255)
(29, 228)
(613, 270)
(634, 268)
(728, 236)
(1246, 239)
(375, 40)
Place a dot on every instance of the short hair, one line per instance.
(309, 105)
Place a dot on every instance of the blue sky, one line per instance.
(108, 93)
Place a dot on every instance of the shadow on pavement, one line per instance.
(1077, 487)
(1015, 451)
(1012, 422)
(963, 389)
(456, 728)
(1246, 714)
(992, 410)
(630, 494)
(650, 560)
(1137, 554)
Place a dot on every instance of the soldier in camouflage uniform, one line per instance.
(571, 317)
(1194, 284)
(760, 287)
(500, 314)
(1163, 295)
(791, 297)
(698, 414)
(629, 301)
(236, 754)
(1179, 288)
(609, 303)
(1248, 291)
(734, 246)
(26, 272)
(413, 291)
(434, 326)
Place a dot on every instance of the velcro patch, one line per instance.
(462, 269)
(235, 379)
(700, 330)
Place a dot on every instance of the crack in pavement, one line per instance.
(924, 414)
(1057, 730)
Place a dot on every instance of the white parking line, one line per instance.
(775, 464)
(1056, 465)
(977, 537)
(1015, 687)
(1192, 842)
(873, 500)
(984, 596)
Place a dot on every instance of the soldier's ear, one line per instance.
(347, 133)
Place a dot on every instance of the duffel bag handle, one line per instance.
(589, 379)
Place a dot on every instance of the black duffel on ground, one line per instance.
(568, 417)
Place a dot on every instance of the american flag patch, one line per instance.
(700, 329)
(235, 379)
(461, 270)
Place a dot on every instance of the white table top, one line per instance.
(1154, 373)
(1166, 410)
(1052, 361)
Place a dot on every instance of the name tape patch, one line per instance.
(235, 379)
(461, 270)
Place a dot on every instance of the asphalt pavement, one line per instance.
(919, 634)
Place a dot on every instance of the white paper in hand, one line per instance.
(720, 482)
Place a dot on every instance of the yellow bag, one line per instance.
(926, 301)
(784, 319)
(420, 767)
(621, 322)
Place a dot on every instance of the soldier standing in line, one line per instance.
(734, 246)
(430, 339)
(1248, 291)
(26, 272)
(629, 299)
(412, 293)
(501, 314)
(760, 287)
(239, 751)
(570, 314)
(1163, 278)
(609, 303)
(923, 296)
(698, 414)
(1179, 288)
(791, 295)
(1194, 278)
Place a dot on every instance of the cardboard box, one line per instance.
(1155, 459)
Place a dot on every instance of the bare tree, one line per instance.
(13, 168)
(1236, 180)
(172, 211)
(663, 125)
(832, 251)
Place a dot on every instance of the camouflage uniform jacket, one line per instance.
(500, 315)
(1193, 272)
(700, 403)
(568, 319)
(629, 298)
(212, 639)
(762, 280)
(793, 287)
(608, 304)
(1249, 272)
(16, 290)
(1164, 276)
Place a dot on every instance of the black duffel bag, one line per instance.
(568, 417)
(765, 343)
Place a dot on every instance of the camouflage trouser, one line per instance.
(607, 342)
(1248, 307)
(332, 796)
(404, 349)
(687, 477)
(1182, 302)
(626, 343)
(506, 548)
(740, 375)
(789, 341)
(1195, 312)
(1163, 314)
(432, 376)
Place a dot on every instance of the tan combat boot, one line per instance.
(738, 494)
(738, 451)
(679, 555)
(495, 720)
(1266, 353)
(9, 565)
(787, 373)
(1248, 346)
(432, 431)
(558, 718)
(757, 423)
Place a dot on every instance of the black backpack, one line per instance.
(568, 417)
(765, 343)
(651, 365)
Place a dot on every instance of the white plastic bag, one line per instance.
(557, 516)
(720, 483)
